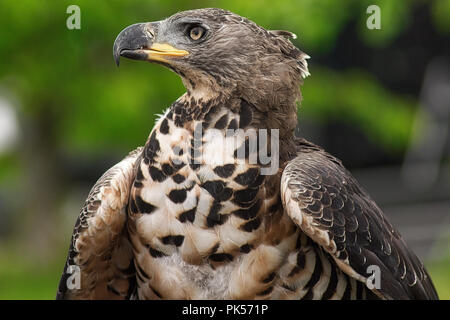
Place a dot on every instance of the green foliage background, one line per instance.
(69, 74)
(73, 103)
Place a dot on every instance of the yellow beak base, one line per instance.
(161, 51)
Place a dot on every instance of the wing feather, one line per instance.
(100, 251)
(328, 204)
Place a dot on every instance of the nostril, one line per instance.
(149, 32)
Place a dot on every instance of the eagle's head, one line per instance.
(217, 50)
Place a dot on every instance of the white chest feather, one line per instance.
(196, 206)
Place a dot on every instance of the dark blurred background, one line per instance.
(377, 99)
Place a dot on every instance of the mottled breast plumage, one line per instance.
(193, 201)
(204, 220)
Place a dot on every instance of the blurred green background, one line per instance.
(67, 113)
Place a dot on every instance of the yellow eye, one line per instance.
(196, 33)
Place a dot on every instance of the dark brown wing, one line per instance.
(100, 254)
(328, 204)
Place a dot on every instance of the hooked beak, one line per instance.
(137, 42)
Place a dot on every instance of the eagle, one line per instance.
(224, 201)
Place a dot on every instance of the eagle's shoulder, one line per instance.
(99, 248)
(329, 205)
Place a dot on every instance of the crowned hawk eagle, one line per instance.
(166, 223)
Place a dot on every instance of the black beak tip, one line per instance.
(129, 42)
(116, 52)
(117, 59)
(117, 48)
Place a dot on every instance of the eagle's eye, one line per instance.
(196, 32)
